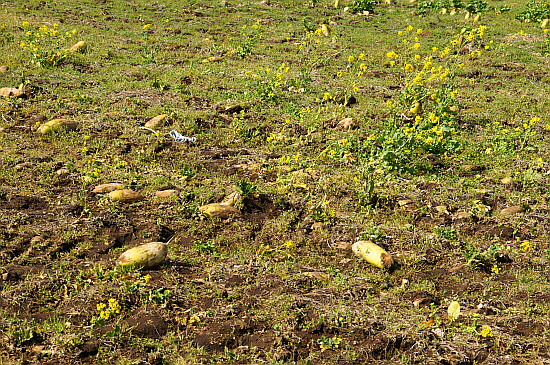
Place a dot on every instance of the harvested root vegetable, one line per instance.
(373, 254)
(224, 209)
(146, 256)
(56, 125)
(219, 210)
(77, 47)
(125, 196)
(161, 194)
(107, 188)
(21, 92)
(156, 121)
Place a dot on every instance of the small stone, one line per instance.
(318, 226)
(474, 168)
(161, 194)
(506, 180)
(343, 245)
(512, 210)
(403, 202)
(62, 171)
(23, 165)
(36, 240)
(461, 215)
(107, 188)
(346, 123)
(442, 209)
(5, 276)
(4, 68)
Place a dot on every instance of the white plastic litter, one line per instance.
(180, 138)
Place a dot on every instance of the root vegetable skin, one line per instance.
(56, 124)
(373, 254)
(218, 210)
(146, 256)
(79, 46)
(125, 196)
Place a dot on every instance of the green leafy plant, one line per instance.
(327, 343)
(206, 247)
(246, 188)
(534, 11)
(476, 6)
(106, 311)
(5, 37)
(359, 6)
(45, 46)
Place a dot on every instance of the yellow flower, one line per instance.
(410, 28)
(26, 24)
(486, 331)
(362, 57)
(74, 31)
(495, 269)
(392, 55)
(147, 26)
(526, 246)
(290, 244)
(534, 121)
(408, 67)
(416, 46)
(419, 31)
(339, 74)
(351, 59)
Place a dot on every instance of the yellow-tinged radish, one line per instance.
(218, 210)
(107, 188)
(20, 92)
(325, 30)
(156, 121)
(416, 108)
(125, 196)
(146, 256)
(11, 92)
(453, 311)
(162, 194)
(56, 125)
(373, 254)
(77, 47)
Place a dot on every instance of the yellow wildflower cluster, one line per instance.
(486, 331)
(107, 310)
(44, 45)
